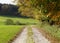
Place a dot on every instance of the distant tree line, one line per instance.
(9, 10)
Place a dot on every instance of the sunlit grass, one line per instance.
(21, 20)
(8, 32)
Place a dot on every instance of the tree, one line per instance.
(45, 8)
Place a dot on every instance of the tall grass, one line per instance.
(54, 31)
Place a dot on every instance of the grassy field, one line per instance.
(21, 20)
(8, 32)
(54, 31)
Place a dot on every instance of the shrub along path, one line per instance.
(35, 36)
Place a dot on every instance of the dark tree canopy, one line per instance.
(8, 9)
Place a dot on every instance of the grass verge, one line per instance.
(8, 32)
(51, 32)
(30, 36)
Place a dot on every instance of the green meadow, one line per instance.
(7, 32)
(26, 21)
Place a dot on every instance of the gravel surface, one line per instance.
(22, 37)
(38, 37)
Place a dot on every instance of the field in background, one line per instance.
(21, 20)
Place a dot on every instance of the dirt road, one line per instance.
(22, 37)
(37, 37)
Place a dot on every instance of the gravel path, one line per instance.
(38, 37)
(22, 37)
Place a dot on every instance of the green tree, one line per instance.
(45, 8)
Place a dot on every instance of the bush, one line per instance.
(18, 23)
(9, 22)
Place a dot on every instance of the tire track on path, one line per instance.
(22, 37)
(38, 37)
